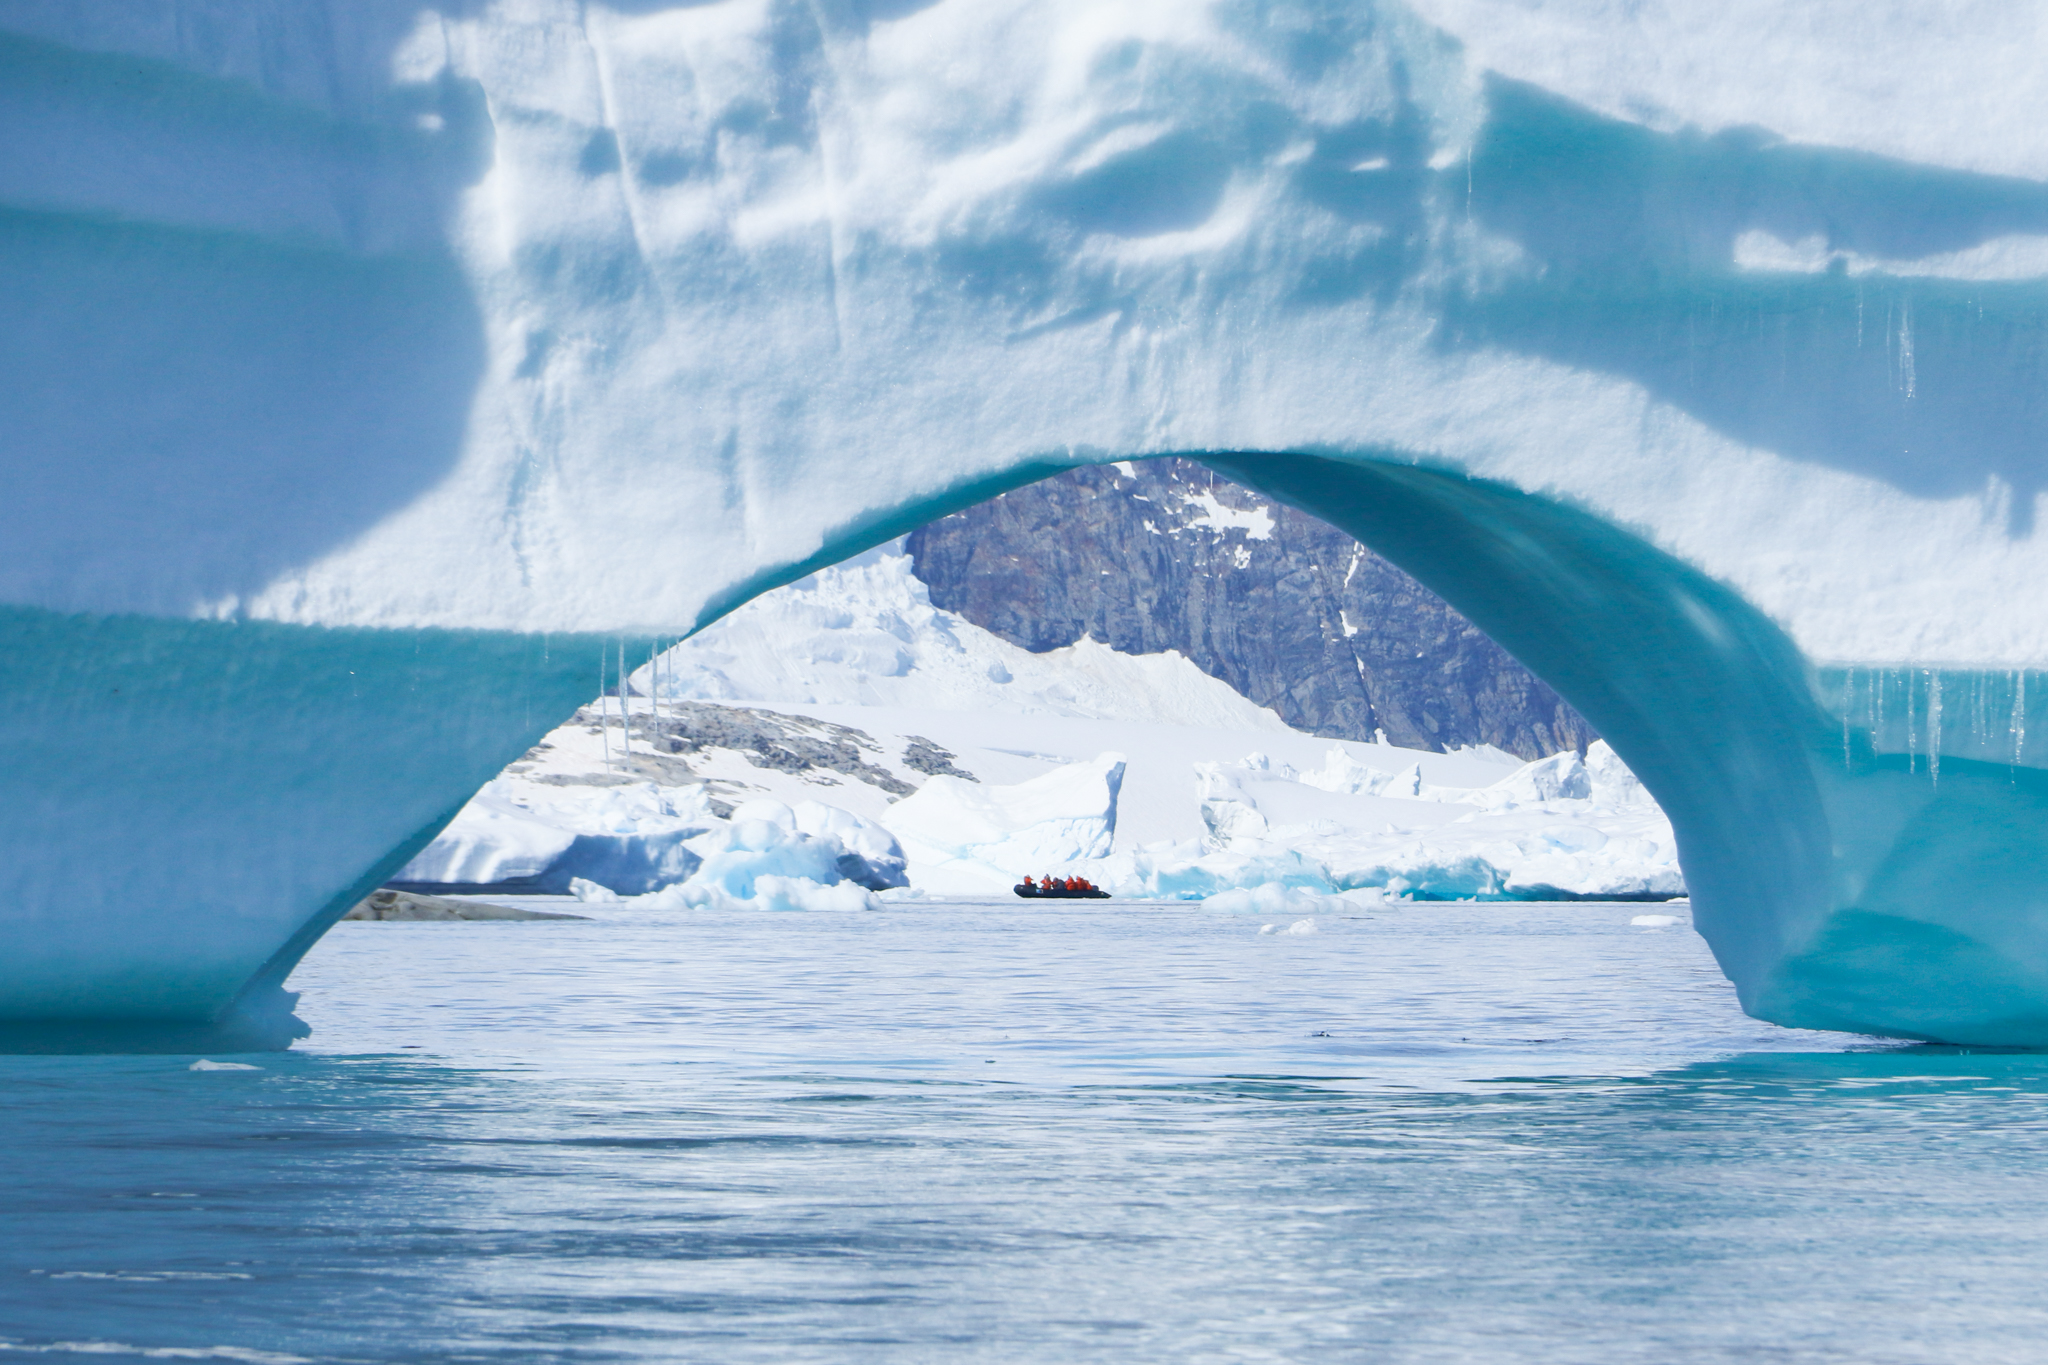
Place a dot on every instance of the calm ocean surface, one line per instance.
(1015, 1133)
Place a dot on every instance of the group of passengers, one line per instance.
(1060, 884)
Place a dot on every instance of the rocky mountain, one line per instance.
(1152, 555)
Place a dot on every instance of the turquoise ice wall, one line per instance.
(190, 804)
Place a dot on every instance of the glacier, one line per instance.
(373, 371)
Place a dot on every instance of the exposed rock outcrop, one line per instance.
(1152, 555)
(392, 904)
(771, 740)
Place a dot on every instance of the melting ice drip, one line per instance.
(1927, 714)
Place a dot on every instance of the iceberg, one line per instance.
(629, 838)
(370, 381)
(963, 835)
(770, 856)
(1562, 827)
(1199, 871)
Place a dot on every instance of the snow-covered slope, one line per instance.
(865, 633)
(341, 345)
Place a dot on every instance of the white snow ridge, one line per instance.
(865, 633)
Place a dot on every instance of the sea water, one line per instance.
(1007, 1132)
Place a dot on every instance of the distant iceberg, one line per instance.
(977, 837)
(1549, 830)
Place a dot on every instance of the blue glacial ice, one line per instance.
(363, 366)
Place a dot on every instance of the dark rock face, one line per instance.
(921, 755)
(659, 749)
(1154, 555)
(389, 904)
(769, 739)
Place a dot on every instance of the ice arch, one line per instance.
(1864, 847)
(355, 361)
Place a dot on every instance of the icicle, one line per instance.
(1934, 726)
(625, 713)
(654, 684)
(1912, 735)
(1848, 702)
(2019, 715)
(604, 713)
(1984, 714)
(1906, 374)
(1979, 742)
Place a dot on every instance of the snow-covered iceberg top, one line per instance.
(967, 241)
